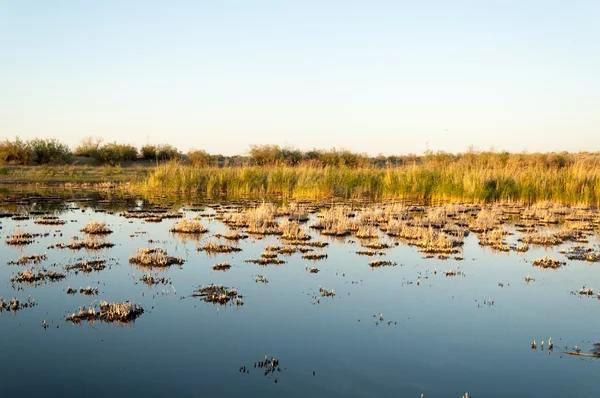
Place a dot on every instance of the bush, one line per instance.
(50, 151)
(15, 152)
(113, 153)
(160, 152)
(199, 158)
(89, 147)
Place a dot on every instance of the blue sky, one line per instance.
(371, 76)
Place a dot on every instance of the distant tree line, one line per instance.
(51, 151)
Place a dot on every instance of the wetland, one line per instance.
(171, 296)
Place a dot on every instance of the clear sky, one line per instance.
(369, 76)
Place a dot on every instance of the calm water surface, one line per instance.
(444, 338)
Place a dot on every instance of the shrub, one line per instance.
(50, 151)
(113, 153)
(89, 147)
(199, 158)
(160, 152)
(15, 152)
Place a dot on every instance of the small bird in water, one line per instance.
(542, 345)
(534, 345)
(550, 344)
(313, 372)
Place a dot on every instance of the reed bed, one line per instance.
(473, 181)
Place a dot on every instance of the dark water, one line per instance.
(443, 339)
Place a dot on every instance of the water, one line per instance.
(444, 338)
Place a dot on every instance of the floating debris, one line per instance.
(261, 279)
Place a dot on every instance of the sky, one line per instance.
(373, 76)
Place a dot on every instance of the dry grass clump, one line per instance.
(381, 263)
(150, 280)
(27, 276)
(294, 212)
(261, 220)
(430, 240)
(326, 293)
(369, 253)
(290, 230)
(192, 226)
(547, 262)
(234, 235)
(366, 232)
(583, 254)
(269, 254)
(314, 256)
(87, 266)
(487, 220)
(15, 304)
(156, 215)
(109, 312)
(586, 291)
(266, 261)
(33, 259)
(335, 221)
(376, 245)
(96, 228)
(224, 266)
(20, 238)
(88, 291)
(219, 294)
(495, 239)
(49, 220)
(87, 243)
(214, 247)
(154, 257)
